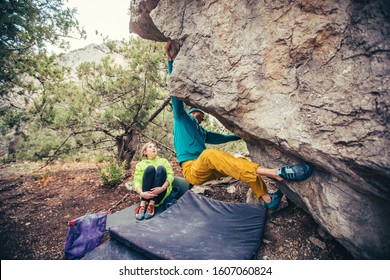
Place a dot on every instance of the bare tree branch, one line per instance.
(119, 202)
(155, 114)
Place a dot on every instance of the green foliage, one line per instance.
(125, 95)
(28, 75)
(112, 174)
(100, 110)
(26, 27)
(41, 143)
(114, 99)
(32, 100)
(8, 119)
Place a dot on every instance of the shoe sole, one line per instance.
(148, 216)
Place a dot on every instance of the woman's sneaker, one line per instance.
(149, 213)
(140, 213)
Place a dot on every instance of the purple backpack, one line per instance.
(85, 234)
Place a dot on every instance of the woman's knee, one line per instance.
(150, 170)
(161, 176)
(161, 170)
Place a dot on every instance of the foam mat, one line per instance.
(197, 228)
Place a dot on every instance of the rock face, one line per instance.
(303, 80)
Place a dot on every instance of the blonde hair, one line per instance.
(144, 148)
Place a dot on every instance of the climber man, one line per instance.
(200, 165)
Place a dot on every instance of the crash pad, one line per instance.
(113, 250)
(197, 228)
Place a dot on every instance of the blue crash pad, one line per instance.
(113, 250)
(197, 228)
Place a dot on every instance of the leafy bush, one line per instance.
(112, 174)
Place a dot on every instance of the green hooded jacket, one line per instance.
(189, 137)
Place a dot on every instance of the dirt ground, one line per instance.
(35, 208)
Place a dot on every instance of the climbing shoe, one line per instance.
(140, 213)
(275, 200)
(149, 213)
(297, 172)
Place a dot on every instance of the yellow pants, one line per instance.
(213, 164)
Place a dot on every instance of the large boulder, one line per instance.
(304, 80)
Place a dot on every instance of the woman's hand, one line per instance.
(148, 195)
(157, 190)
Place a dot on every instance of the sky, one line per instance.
(107, 17)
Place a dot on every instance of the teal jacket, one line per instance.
(189, 137)
(157, 161)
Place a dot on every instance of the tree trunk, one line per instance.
(12, 148)
(127, 147)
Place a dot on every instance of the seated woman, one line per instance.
(153, 178)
